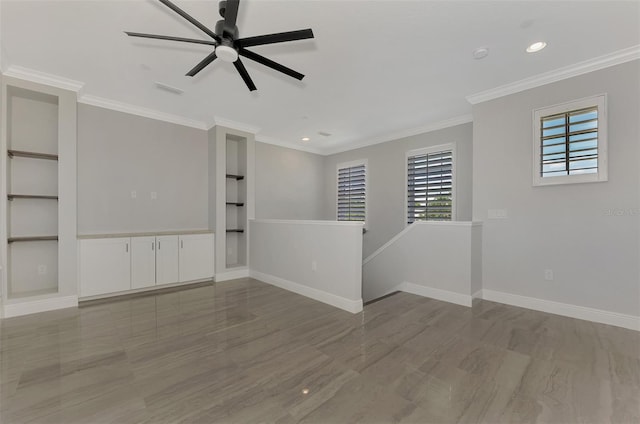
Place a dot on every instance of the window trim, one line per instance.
(350, 164)
(600, 101)
(430, 150)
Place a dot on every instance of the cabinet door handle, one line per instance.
(127, 247)
(181, 244)
(153, 245)
(158, 245)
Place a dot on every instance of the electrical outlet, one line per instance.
(548, 274)
(134, 194)
(314, 266)
(154, 195)
(42, 269)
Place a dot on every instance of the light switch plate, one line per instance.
(497, 213)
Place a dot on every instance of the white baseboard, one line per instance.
(353, 306)
(438, 294)
(565, 309)
(232, 274)
(27, 307)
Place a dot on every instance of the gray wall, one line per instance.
(118, 153)
(386, 181)
(594, 255)
(289, 183)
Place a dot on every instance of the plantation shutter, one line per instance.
(352, 193)
(569, 143)
(430, 187)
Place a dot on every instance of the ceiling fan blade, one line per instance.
(231, 15)
(279, 37)
(270, 63)
(200, 66)
(167, 37)
(190, 19)
(244, 74)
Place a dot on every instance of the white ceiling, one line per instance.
(375, 68)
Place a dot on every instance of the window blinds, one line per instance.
(569, 143)
(430, 187)
(352, 193)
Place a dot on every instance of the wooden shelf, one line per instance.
(30, 196)
(235, 231)
(235, 203)
(32, 155)
(235, 177)
(36, 238)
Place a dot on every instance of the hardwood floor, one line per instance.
(247, 352)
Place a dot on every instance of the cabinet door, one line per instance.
(105, 266)
(166, 259)
(143, 262)
(196, 257)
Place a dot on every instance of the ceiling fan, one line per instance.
(227, 44)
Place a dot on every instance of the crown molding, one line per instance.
(277, 142)
(43, 78)
(434, 126)
(141, 111)
(580, 68)
(236, 125)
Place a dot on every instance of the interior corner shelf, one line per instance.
(34, 238)
(235, 177)
(235, 231)
(33, 155)
(30, 196)
(235, 203)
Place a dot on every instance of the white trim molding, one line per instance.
(427, 128)
(580, 68)
(432, 293)
(565, 309)
(353, 306)
(234, 125)
(140, 111)
(44, 78)
(295, 146)
(40, 305)
(232, 274)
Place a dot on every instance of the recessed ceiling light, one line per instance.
(536, 47)
(305, 139)
(480, 53)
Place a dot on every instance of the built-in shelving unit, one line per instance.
(32, 155)
(34, 238)
(235, 177)
(30, 196)
(232, 156)
(38, 247)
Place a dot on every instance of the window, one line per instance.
(430, 184)
(352, 191)
(570, 142)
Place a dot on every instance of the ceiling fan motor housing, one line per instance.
(219, 29)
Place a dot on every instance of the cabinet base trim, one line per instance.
(41, 305)
(154, 289)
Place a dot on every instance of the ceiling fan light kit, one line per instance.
(228, 46)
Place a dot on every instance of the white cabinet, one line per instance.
(143, 262)
(105, 266)
(167, 259)
(110, 265)
(196, 257)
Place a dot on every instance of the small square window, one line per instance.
(570, 142)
